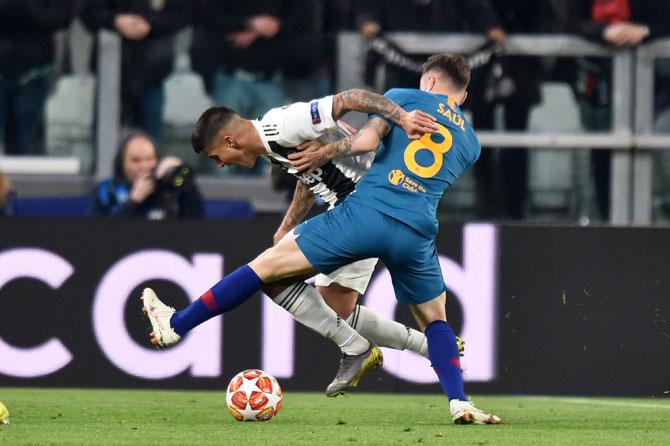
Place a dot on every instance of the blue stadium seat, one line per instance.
(54, 206)
(229, 209)
(82, 206)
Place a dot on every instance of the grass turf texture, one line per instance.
(72, 416)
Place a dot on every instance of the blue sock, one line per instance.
(230, 292)
(443, 355)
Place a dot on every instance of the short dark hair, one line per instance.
(208, 126)
(453, 66)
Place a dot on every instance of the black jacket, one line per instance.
(26, 31)
(214, 20)
(432, 15)
(295, 50)
(170, 17)
(146, 62)
(518, 17)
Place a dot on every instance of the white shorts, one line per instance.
(355, 275)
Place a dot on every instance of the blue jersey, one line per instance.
(407, 178)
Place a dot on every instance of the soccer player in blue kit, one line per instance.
(391, 215)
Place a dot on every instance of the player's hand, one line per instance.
(416, 123)
(143, 186)
(310, 155)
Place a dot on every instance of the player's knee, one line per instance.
(432, 315)
(431, 311)
(348, 305)
(342, 300)
(344, 310)
(264, 266)
(273, 290)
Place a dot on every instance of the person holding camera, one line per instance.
(143, 187)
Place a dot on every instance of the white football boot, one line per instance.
(159, 314)
(465, 412)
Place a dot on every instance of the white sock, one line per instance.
(387, 333)
(308, 307)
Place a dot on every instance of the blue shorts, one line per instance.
(352, 232)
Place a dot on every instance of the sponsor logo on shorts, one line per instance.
(314, 110)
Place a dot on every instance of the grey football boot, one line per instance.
(353, 368)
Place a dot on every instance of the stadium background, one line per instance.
(576, 308)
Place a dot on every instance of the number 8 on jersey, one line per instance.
(437, 149)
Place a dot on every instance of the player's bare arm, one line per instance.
(415, 123)
(313, 154)
(303, 200)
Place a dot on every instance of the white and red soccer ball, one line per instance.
(253, 395)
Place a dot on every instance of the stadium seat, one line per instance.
(553, 174)
(69, 118)
(185, 100)
(54, 206)
(229, 209)
(662, 124)
(81, 206)
(661, 173)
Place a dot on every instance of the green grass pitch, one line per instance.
(133, 417)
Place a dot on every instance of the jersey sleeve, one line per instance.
(307, 120)
(400, 96)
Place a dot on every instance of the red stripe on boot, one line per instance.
(209, 301)
(456, 363)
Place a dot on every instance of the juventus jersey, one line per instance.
(283, 129)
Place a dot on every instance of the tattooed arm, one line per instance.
(303, 200)
(313, 154)
(415, 123)
(365, 140)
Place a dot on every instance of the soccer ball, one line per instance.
(253, 395)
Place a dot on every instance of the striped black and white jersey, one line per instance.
(283, 129)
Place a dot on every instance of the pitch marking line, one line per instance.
(600, 402)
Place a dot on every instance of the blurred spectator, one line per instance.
(622, 24)
(513, 83)
(304, 49)
(27, 29)
(375, 17)
(501, 175)
(230, 50)
(145, 188)
(233, 51)
(339, 15)
(7, 197)
(148, 29)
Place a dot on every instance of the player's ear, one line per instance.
(463, 98)
(230, 142)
